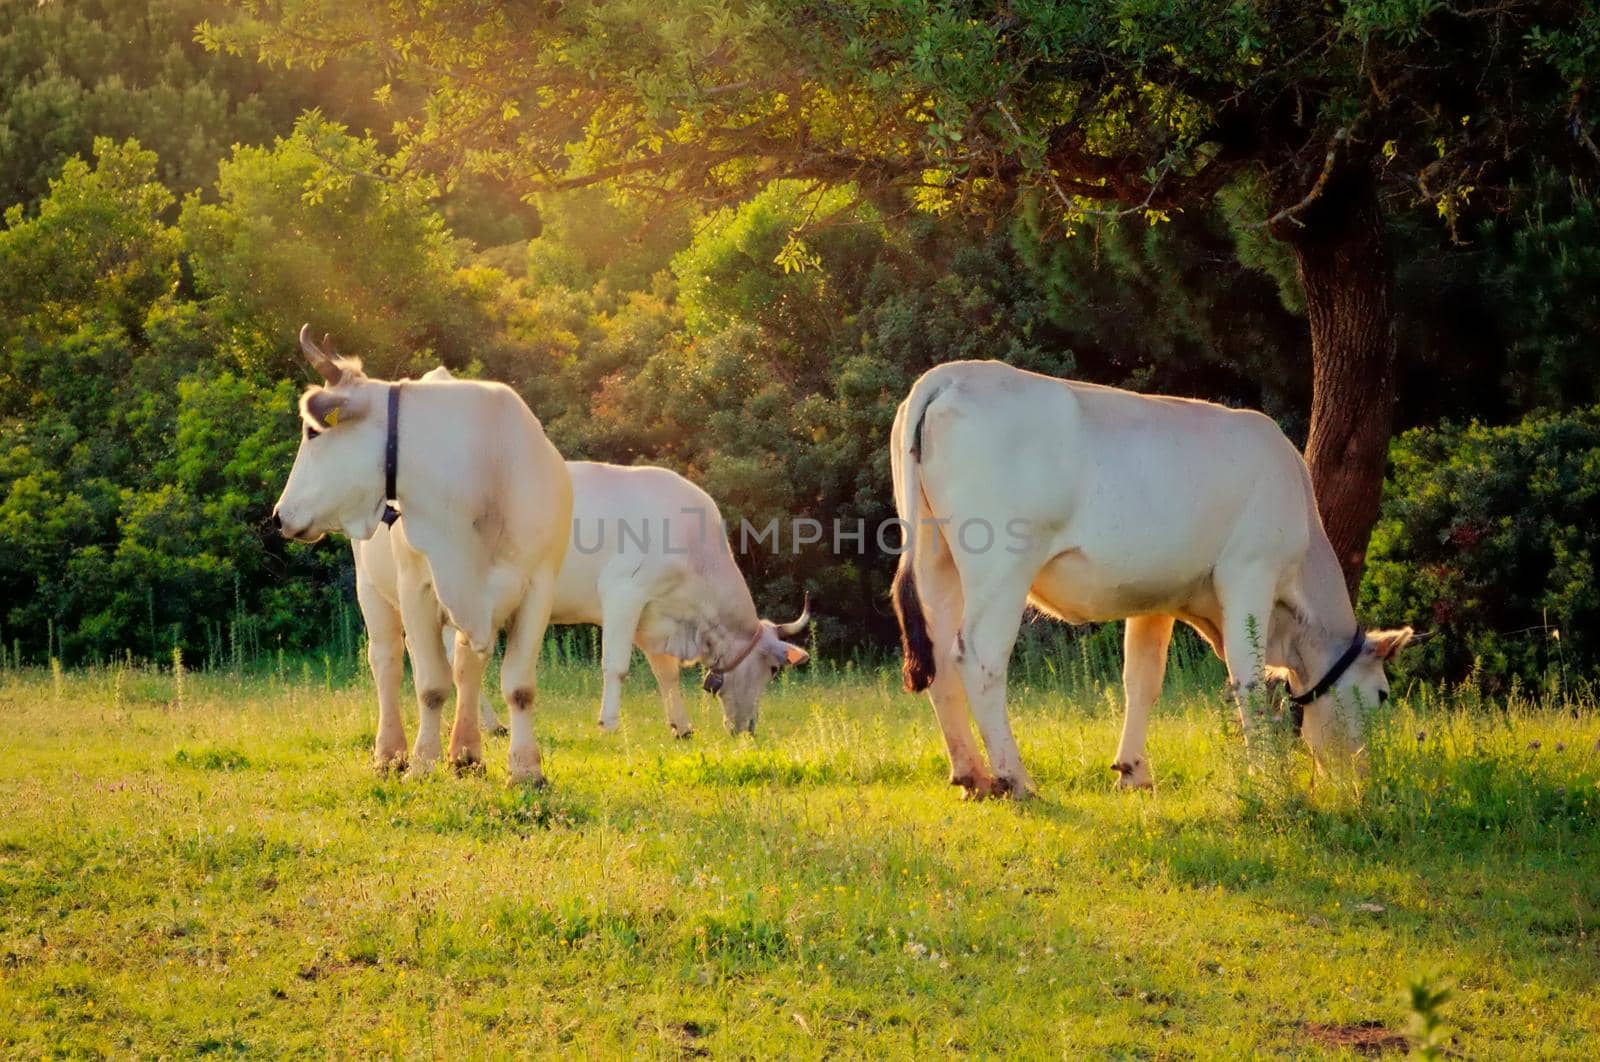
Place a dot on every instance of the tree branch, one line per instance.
(1291, 213)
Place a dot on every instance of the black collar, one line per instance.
(1340, 666)
(391, 456)
(713, 679)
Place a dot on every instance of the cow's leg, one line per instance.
(487, 720)
(466, 740)
(989, 625)
(665, 667)
(939, 588)
(430, 670)
(386, 646)
(1246, 600)
(519, 672)
(619, 621)
(1144, 665)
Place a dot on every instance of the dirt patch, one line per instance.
(1363, 1037)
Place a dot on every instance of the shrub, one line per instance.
(1490, 536)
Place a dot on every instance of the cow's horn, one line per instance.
(324, 365)
(789, 630)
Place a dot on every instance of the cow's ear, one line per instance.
(1384, 644)
(328, 409)
(794, 656)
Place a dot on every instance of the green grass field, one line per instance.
(210, 867)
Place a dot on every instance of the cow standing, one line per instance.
(487, 503)
(650, 564)
(1095, 504)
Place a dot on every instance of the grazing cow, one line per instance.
(1094, 504)
(650, 564)
(487, 503)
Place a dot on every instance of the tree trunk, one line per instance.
(1348, 281)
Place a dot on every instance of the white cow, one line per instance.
(1094, 504)
(650, 564)
(487, 503)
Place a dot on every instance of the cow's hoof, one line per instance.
(499, 730)
(1135, 775)
(526, 767)
(387, 763)
(607, 728)
(973, 786)
(684, 734)
(418, 770)
(1016, 788)
(467, 763)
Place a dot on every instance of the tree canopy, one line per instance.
(1153, 105)
(1327, 116)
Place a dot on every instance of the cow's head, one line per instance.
(742, 685)
(336, 483)
(1335, 724)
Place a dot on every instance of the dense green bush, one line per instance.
(137, 459)
(305, 230)
(1490, 536)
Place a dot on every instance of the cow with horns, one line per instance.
(1093, 504)
(650, 564)
(487, 503)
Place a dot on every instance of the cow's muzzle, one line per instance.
(297, 534)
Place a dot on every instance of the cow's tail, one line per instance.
(919, 667)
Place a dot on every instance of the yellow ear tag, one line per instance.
(332, 418)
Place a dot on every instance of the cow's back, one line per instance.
(1131, 491)
(645, 524)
